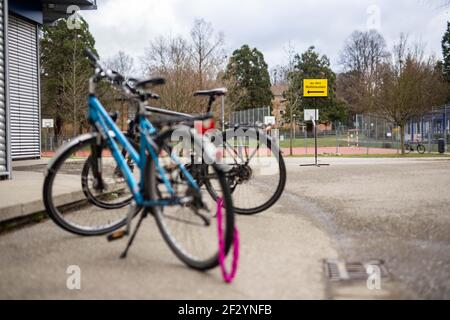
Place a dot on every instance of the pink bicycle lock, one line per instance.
(228, 277)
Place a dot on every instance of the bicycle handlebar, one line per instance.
(91, 56)
(112, 75)
(116, 77)
(174, 119)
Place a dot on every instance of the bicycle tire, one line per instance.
(278, 191)
(174, 244)
(49, 203)
(421, 149)
(96, 200)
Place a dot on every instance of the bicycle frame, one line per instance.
(105, 125)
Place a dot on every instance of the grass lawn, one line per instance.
(380, 156)
(322, 142)
(330, 141)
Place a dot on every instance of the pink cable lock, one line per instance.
(228, 277)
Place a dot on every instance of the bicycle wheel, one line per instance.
(407, 149)
(190, 229)
(109, 197)
(63, 194)
(256, 171)
(421, 149)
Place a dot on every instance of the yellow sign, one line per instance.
(315, 88)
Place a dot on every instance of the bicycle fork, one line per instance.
(96, 151)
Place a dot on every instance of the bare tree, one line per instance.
(187, 64)
(408, 86)
(354, 88)
(362, 54)
(277, 75)
(207, 50)
(171, 58)
(74, 88)
(122, 63)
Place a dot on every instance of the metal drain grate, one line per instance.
(338, 270)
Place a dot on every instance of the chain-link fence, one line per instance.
(430, 128)
(365, 134)
(50, 143)
(250, 116)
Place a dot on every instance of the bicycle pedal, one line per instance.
(117, 235)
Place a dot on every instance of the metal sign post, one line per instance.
(223, 113)
(313, 88)
(48, 124)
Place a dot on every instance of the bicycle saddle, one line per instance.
(146, 84)
(211, 93)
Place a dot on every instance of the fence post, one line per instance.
(367, 142)
(445, 127)
(223, 113)
(376, 131)
(432, 127)
(337, 140)
(46, 139)
(429, 141)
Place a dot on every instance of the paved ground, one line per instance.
(392, 209)
(35, 259)
(22, 195)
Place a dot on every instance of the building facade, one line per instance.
(432, 126)
(4, 142)
(20, 119)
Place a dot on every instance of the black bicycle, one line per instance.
(410, 147)
(253, 164)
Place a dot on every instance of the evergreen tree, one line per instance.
(249, 79)
(65, 72)
(446, 53)
(310, 65)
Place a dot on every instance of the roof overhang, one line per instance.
(56, 9)
(48, 11)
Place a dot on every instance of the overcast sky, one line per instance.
(269, 25)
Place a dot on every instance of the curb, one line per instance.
(24, 210)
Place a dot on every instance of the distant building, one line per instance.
(278, 106)
(20, 118)
(432, 125)
(279, 110)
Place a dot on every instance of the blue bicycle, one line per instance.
(162, 186)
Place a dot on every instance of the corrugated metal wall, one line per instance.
(3, 142)
(24, 88)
